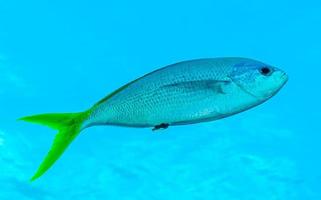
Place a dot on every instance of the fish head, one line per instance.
(258, 79)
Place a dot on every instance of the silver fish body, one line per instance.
(185, 93)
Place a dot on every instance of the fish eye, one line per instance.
(265, 71)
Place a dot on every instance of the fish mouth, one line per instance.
(285, 78)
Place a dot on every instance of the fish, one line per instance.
(183, 93)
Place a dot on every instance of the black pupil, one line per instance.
(265, 70)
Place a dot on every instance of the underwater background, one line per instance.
(63, 56)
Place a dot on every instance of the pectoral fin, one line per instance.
(216, 86)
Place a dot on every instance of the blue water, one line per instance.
(63, 56)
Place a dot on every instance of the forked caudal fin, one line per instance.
(68, 126)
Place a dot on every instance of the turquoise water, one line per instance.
(63, 56)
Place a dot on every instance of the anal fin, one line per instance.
(161, 126)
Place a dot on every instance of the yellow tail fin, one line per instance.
(68, 126)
